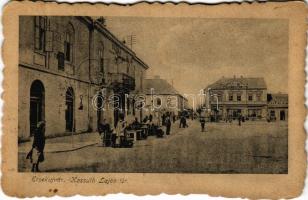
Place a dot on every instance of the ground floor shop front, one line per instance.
(64, 103)
(249, 112)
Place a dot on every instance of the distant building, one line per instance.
(237, 96)
(161, 96)
(278, 107)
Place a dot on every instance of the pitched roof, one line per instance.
(249, 83)
(160, 86)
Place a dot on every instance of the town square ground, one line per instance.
(253, 147)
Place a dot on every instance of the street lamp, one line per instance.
(217, 107)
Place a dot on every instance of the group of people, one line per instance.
(113, 137)
(157, 124)
(158, 120)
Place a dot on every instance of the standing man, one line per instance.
(168, 125)
(173, 117)
(182, 119)
(103, 130)
(239, 119)
(163, 119)
(120, 130)
(202, 122)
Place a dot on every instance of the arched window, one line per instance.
(68, 43)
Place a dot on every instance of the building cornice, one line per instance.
(28, 66)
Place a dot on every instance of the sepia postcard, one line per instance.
(154, 98)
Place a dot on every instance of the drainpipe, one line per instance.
(91, 30)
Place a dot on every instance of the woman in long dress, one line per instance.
(120, 129)
(36, 154)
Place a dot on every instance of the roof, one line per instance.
(247, 83)
(160, 86)
(114, 39)
(279, 95)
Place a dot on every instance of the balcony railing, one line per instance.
(122, 80)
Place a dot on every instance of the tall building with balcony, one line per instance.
(64, 63)
(231, 97)
(120, 70)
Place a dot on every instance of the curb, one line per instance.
(73, 149)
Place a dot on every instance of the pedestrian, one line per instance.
(230, 119)
(163, 118)
(202, 122)
(120, 130)
(185, 122)
(150, 117)
(36, 154)
(135, 125)
(182, 119)
(174, 118)
(103, 130)
(168, 125)
(239, 119)
(145, 119)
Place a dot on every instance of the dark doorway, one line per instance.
(37, 104)
(69, 112)
(282, 115)
(236, 113)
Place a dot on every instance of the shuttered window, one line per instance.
(68, 47)
(39, 32)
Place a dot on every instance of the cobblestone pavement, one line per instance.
(254, 147)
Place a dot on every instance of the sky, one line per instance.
(195, 52)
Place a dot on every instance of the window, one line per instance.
(239, 97)
(101, 60)
(67, 47)
(158, 102)
(128, 65)
(250, 97)
(60, 57)
(40, 28)
(230, 97)
(258, 97)
(68, 43)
